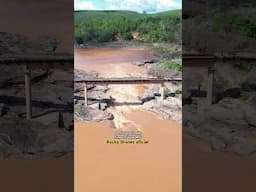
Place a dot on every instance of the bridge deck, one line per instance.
(197, 60)
(126, 80)
(40, 61)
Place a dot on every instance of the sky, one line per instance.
(150, 6)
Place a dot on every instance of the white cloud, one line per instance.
(167, 4)
(135, 5)
(113, 7)
(149, 5)
(84, 5)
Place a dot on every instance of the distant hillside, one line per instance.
(83, 16)
(104, 26)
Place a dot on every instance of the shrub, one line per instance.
(171, 65)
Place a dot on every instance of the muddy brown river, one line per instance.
(156, 166)
(128, 167)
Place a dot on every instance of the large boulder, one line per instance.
(228, 110)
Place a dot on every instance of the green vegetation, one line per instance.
(168, 64)
(245, 66)
(233, 22)
(166, 91)
(106, 26)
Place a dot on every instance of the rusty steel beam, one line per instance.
(126, 80)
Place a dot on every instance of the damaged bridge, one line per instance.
(126, 80)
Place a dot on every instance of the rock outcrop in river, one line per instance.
(228, 125)
(50, 132)
(98, 100)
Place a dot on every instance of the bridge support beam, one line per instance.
(85, 95)
(162, 91)
(27, 72)
(210, 85)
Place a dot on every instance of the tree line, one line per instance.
(150, 28)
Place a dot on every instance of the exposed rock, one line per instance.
(228, 110)
(3, 109)
(150, 61)
(148, 95)
(49, 96)
(100, 88)
(98, 95)
(32, 138)
(80, 75)
(244, 147)
(139, 63)
(90, 114)
(227, 126)
(103, 106)
(165, 109)
(232, 92)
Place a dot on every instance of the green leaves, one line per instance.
(167, 64)
(106, 26)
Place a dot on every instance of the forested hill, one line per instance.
(105, 26)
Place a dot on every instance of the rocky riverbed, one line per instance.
(228, 125)
(50, 132)
(100, 100)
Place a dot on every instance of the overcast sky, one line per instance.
(133, 5)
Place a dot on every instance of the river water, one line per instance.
(155, 166)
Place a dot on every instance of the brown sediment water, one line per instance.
(204, 170)
(151, 167)
(111, 55)
(112, 62)
(99, 166)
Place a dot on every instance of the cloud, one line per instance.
(134, 5)
(84, 5)
(167, 4)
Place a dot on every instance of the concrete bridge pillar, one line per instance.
(85, 95)
(27, 72)
(210, 85)
(162, 91)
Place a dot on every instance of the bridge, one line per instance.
(67, 61)
(210, 62)
(42, 61)
(126, 80)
